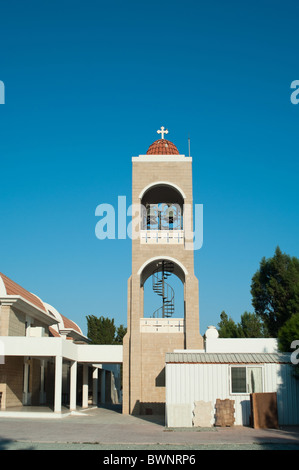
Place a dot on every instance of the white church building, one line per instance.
(46, 360)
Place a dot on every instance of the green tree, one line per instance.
(100, 330)
(288, 333)
(227, 328)
(251, 326)
(120, 333)
(275, 290)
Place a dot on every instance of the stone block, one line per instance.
(179, 415)
(203, 414)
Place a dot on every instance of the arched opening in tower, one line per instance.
(162, 208)
(163, 284)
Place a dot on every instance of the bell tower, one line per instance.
(162, 189)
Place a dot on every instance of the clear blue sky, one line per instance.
(87, 85)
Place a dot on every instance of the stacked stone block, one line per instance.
(225, 412)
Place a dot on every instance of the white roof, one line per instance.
(227, 358)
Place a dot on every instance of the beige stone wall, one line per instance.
(2, 393)
(2, 387)
(178, 173)
(4, 319)
(12, 322)
(154, 346)
(16, 323)
(11, 381)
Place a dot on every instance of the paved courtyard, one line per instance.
(108, 429)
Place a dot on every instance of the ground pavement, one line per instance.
(108, 429)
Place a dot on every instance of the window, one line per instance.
(246, 379)
(254, 379)
(238, 379)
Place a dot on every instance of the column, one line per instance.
(73, 386)
(192, 336)
(26, 383)
(126, 355)
(95, 374)
(85, 386)
(58, 384)
(103, 386)
(42, 397)
(135, 348)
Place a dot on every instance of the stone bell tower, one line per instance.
(162, 188)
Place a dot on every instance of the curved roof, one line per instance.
(64, 322)
(162, 147)
(69, 324)
(12, 288)
(54, 332)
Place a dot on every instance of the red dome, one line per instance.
(162, 147)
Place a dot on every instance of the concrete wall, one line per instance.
(241, 345)
(43, 347)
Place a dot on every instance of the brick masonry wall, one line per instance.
(4, 319)
(16, 323)
(11, 381)
(12, 322)
(153, 349)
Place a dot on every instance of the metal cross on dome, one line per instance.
(162, 131)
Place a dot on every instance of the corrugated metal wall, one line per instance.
(187, 383)
(287, 395)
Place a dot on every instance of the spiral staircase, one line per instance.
(163, 289)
